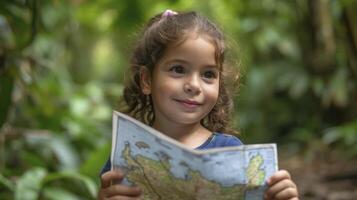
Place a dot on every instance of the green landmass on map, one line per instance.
(255, 175)
(157, 181)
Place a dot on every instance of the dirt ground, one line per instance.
(326, 177)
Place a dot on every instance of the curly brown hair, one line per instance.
(156, 36)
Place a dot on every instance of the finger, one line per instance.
(287, 193)
(107, 178)
(123, 190)
(282, 185)
(278, 176)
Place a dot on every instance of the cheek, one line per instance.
(212, 93)
(166, 89)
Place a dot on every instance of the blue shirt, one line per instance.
(216, 140)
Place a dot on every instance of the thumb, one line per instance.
(111, 176)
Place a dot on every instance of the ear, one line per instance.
(145, 80)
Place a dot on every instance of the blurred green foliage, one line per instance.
(62, 66)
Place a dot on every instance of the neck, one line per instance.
(191, 135)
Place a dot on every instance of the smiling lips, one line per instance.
(189, 103)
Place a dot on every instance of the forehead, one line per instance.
(193, 35)
(195, 49)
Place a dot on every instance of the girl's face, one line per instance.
(185, 82)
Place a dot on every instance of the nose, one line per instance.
(192, 85)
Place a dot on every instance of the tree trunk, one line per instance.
(324, 46)
(351, 34)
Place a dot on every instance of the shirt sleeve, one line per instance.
(232, 141)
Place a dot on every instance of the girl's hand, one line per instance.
(110, 191)
(280, 186)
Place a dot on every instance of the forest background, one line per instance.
(62, 65)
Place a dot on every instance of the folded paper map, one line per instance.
(166, 170)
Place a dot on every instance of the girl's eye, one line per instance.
(178, 69)
(210, 75)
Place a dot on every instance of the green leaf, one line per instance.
(52, 193)
(87, 182)
(299, 86)
(33, 159)
(6, 35)
(337, 91)
(29, 185)
(59, 145)
(7, 183)
(96, 160)
(331, 135)
(65, 152)
(6, 85)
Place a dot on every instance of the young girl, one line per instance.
(178, 86)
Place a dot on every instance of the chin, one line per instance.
(189, 120)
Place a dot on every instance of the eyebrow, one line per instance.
(184, 61)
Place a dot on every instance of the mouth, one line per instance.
(189, 103)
